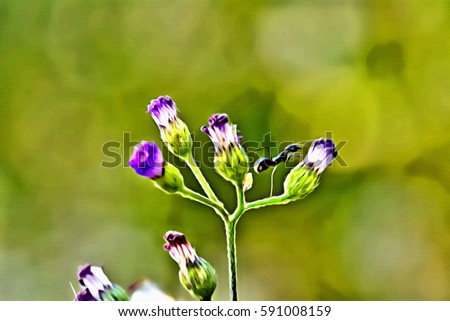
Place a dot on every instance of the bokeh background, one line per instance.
(376, 74)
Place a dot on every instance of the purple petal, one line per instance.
(85, 295)
(179, 248)
(222, 133)
(147, 160)
(320, 154)
(84, 271)
(163, 111)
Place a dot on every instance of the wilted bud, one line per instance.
(304, 178)
(174, 132)
(196, 274)
(147, 160)
(230, 158)
(97, 287)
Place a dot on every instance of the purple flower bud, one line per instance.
(94, 283)
(320, 155)
(174, 132)
(147, 160)
(222, 133)
(180, 249)
(230, 159)
(163, 111)
(196, 274)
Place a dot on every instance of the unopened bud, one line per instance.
(174, 132)
(230, 159)
(196, 274)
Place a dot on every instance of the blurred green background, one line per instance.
(376, 74)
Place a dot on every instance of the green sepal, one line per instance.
(199, 279)
(178, 139)
(232, 164)
(300, 182)
(172, 181)
(115, 293)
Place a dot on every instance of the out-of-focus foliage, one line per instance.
(376, 74)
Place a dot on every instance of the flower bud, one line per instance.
(174, 132)
(304, 178)
(147, 161)
(320, 155)
(196, 274)
(97, 287)
(230, 158)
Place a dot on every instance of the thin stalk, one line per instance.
(202, 180)
(231, 241)
(241, 205)
(231, 248)
(190, 194)
(275, 200)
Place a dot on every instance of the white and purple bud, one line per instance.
(147, 160)
(174, 132)
(320, 155)
(230, 159)
(196, 274)
(97, 287)
(222, 133)
(304, 178)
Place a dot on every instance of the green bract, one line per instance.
(199, 279)
(232, 164)
(177, 139)
(300, 182)
(172, 181)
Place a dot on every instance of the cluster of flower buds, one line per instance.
(304, 178)
(97, 287)
(196, 274)
(232, 163)
(230, 160)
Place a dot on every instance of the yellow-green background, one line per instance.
(77, 74)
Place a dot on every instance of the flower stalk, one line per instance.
(205, 186)
(230, 228)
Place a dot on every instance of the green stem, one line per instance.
(202, 180)
(231, 241)
(240, 208)
(190, 194)
(275, 200)
(231, 248)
